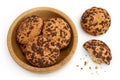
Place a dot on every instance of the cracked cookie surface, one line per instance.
(59, 30)
(95, 21)
(29, 28)
(42, 52)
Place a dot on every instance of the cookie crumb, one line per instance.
(90, 67)
(85, 63)
(80, 58)
(77, 65)
(96, 67)
(81, 68)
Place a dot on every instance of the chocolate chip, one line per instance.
(23, 46)
(99, 54)
(47, 45)
(84, 21)
(94, 24)
(58, 45)
(106, 15)
(108, 58)
(40, 62)
(67, 41)
(28, 33)
(52, 21)
(58, 39)
(33, 47)
(85, 25)
(33, 16)
(102, 23)
(31, 27)
(94, 33)
(54, 34)
(106, 53)
(91, 18)
(32, 56)
(60, 33)
(101, 49)
(94, 52)
(22, 37)
(48, 29)
(65, 27)
(28, 52)
(97, 29)
(52, 43)
(40, 51)
(49, 24)
(51, 59)
(55, 50)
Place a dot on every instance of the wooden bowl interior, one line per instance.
(44, 14)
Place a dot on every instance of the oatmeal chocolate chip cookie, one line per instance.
(59, 30)
(95, 21)
(98, 51)
(42, 52)
(29, 28)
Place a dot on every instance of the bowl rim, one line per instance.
(32, 68)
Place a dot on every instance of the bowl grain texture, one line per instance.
(44, 13)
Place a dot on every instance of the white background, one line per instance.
(11, 9)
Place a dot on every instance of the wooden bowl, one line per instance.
(45, 13)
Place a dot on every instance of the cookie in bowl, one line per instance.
(59, 30)
(29, 28)
(42, 51)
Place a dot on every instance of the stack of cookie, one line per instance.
(41, 41)
(96, 21)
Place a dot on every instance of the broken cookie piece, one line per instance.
(98, 51)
